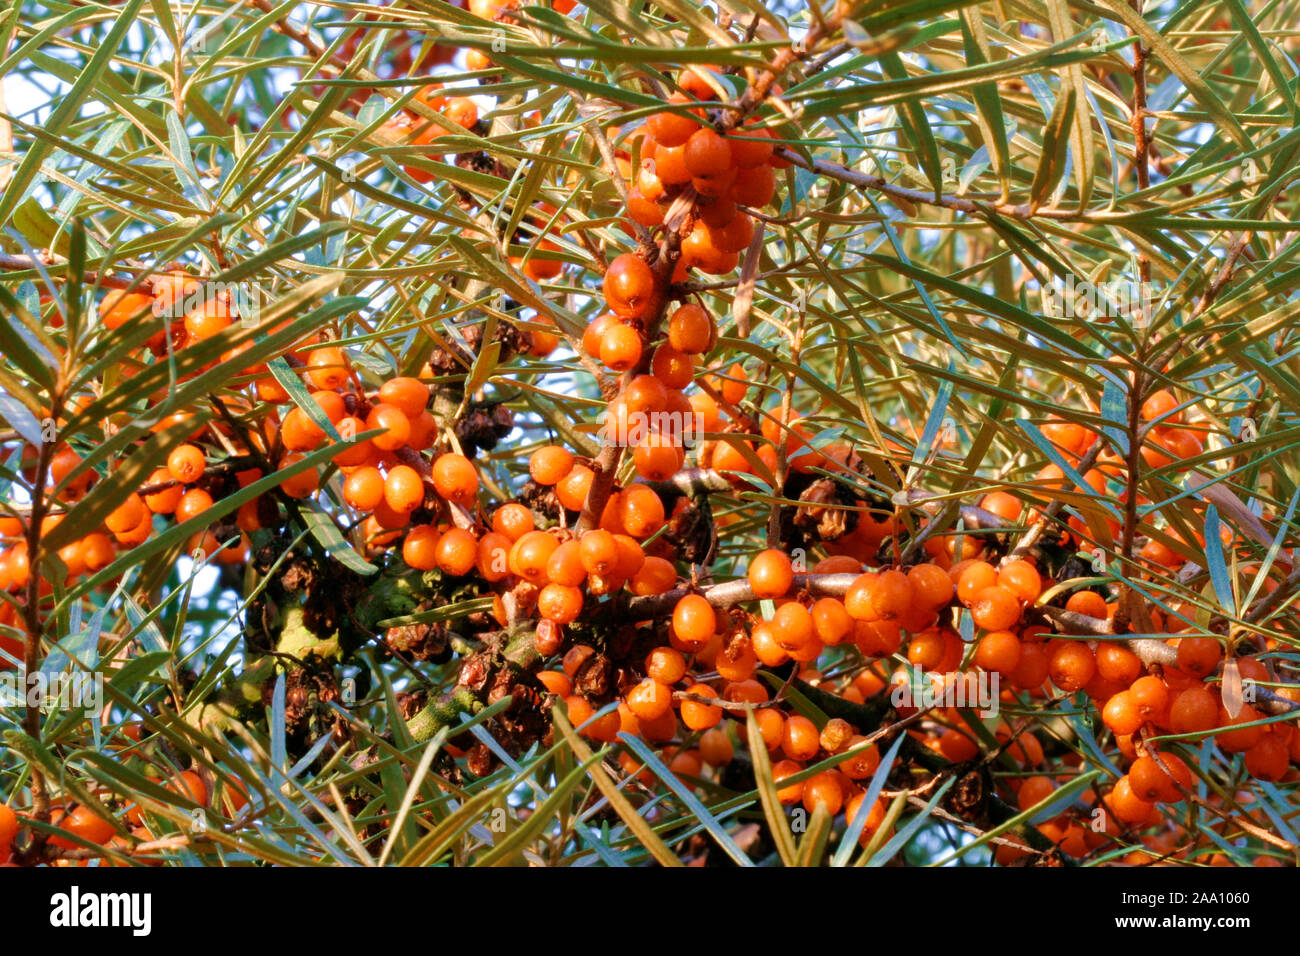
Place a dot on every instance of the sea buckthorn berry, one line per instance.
(697, 715)
(1117, 663)
(823, 790)
(707, 153)
(931, 585)
(770, 574)
(1121, 715)
(1150, 696)
(193, 503)
(599, 552)
(791, 793)
(793, 625)
(799, 738)
(1199, 656)
(559, 603)
(642, 511)
(1126, 805)
(1070, 665)
(629, 287)
(120, 307)
(555, 682)
(186, 463)
(650, 700)
(1269, 759)
(530, 554)
(631, 556)
(564, 566)
(995, 609)
(163, 501)
(403, 488)
(690, 329)
(716, 748)
(645, 394)
(408, 395)
(620, 347)
(998, 651)
(750, 147)
(1160, 404)
(656, 458)
(1243, 738)
(673, 368)
(299, 432)
(665, 665)
(328, 367)
(513, 520)
(396, 427)
(1149, 781)
(82, 822)
(595, 331)
(672, 128)
(891, 594)
(831, 621)
(694, 620)
(419, 549)
(1087, 603)
(549, 464)
(457, 552)
(299, 485)
(754, 187)
(493, 561)
(573, 488)
(973, 579)
(1022, 579)
(364, 488)
(655, 576)
(127, 515)
(455, 479)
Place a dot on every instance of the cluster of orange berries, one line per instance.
(727, 171)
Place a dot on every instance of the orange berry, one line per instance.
(420, 548)
(694, 620)
(512, 520)
(403, 488)
(1022, 579)
(700, 716)
(642, 511)
(690, 329)
(457, 552)
(549, 464)
(620, 347)
(800, 739)
(559, 603)
(629, 287)
(328, 367)
(931, 585)
(573, 488)
(655, 576)
(530, 554)
(364, 488)
(408, 395)
(455, 478)
(650, 700)
(770, 574)
(995, 608)
(1070, 665)
(186, 463)
(396, 427)
(998, 651)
